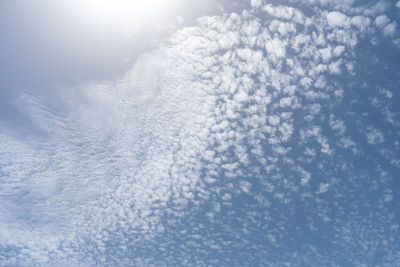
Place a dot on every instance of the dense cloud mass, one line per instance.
(269, 137)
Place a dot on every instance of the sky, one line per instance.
(200, 133)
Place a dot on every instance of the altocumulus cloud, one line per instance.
(228, 144)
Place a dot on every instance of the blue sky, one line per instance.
(248, 133)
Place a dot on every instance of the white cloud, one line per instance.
(381, 21)
(374, 136)
(284, 12)
(386, 92)
(337, 125)
(397, 42)
(390, 30)
(110, 130)
(380, 7)
(276, 48)
(274, 120)
(255, 3)
(323, 188)
(362, 23)
(337, 19)
(338, 50)
(216, 104)
(335, 67)
(245, 186)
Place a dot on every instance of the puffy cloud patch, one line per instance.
(390, 30)
(381, 21)
(276, 48)
(337, 19)
(374, 136)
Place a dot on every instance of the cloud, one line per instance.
(337, 19)
(111, 129)
(390, 30)
(337, 125)
(381, 21)
(255, 3)
(219, 140)
(374, 136)
(323, 188)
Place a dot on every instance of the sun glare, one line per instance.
(122, 12)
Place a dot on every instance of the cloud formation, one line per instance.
(230, 139)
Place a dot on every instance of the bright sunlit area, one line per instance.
(121, 13)
(90, 39)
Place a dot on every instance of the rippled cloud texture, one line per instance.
(265, 137)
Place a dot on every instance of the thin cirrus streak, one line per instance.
(226, 145)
